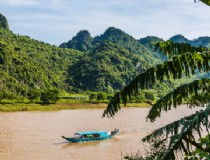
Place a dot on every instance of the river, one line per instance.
(37, 135)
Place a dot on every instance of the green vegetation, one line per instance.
(207, 2)
(82, 42)
(92, 66)
(102, 64)
(107, 68)
(49, 96)
(29, 66)
(165, 142)
(198, 154)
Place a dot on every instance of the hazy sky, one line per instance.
(57, 21)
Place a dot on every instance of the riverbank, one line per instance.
(61, 106)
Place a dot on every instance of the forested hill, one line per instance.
(28, 65)
(112, 60)
(84, 42)
(107, 67)
(104, 63)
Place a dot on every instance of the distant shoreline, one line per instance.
(61, 106)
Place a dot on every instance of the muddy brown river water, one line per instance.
(37, 135)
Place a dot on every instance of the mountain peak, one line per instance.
(112, 31)
(179, 38)
(149, 40)
(115, 35)
(83, 34)
(3, 22)
(82, 41)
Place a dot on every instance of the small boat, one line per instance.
(91, 136)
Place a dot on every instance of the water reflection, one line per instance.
(81, 145)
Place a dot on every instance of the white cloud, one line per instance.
(19, 2)
(56, 21)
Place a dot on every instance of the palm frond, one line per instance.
(171, 48)
(197, 93)
(207, 2)
(181, 134)
(182, 65)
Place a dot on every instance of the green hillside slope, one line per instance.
(107, 67)
(28, 64)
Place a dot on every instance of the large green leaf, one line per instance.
(207, 2)
(180, 135)
(180, 66)
(196, 93)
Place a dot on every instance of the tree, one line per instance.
(92, 96)
(184, 60)
(49, 96)
(101, 96)
(33, 94)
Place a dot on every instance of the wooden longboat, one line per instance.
(91, 136)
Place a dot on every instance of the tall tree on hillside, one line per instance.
(184, 60)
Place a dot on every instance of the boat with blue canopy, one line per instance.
(91, 136)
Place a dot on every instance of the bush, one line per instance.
(92, 96)
(101, 96)
(33, 94)
(49, 96)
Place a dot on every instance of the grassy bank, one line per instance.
(60, 106)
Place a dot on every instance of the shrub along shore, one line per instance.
(52, 101)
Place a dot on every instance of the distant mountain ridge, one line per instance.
(114, 35)
(201, 41)
(84, 42)
(113, 59)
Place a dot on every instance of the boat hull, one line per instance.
(78, 140)
(91, 136)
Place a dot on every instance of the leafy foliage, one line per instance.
(181, 133)
(38, 66)
(197, 93)
(107, 66)
(27, 64)
(178, 135)
(204, 1)
(181, 65)
(112, 60)
(199, 154)
(49, 96)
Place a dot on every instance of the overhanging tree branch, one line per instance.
(181, 133)
(171, 48)
(197, 92)
(207, 2)
(182, 65)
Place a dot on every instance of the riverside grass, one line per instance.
(14, 107)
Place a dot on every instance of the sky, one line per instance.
(57, 21)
